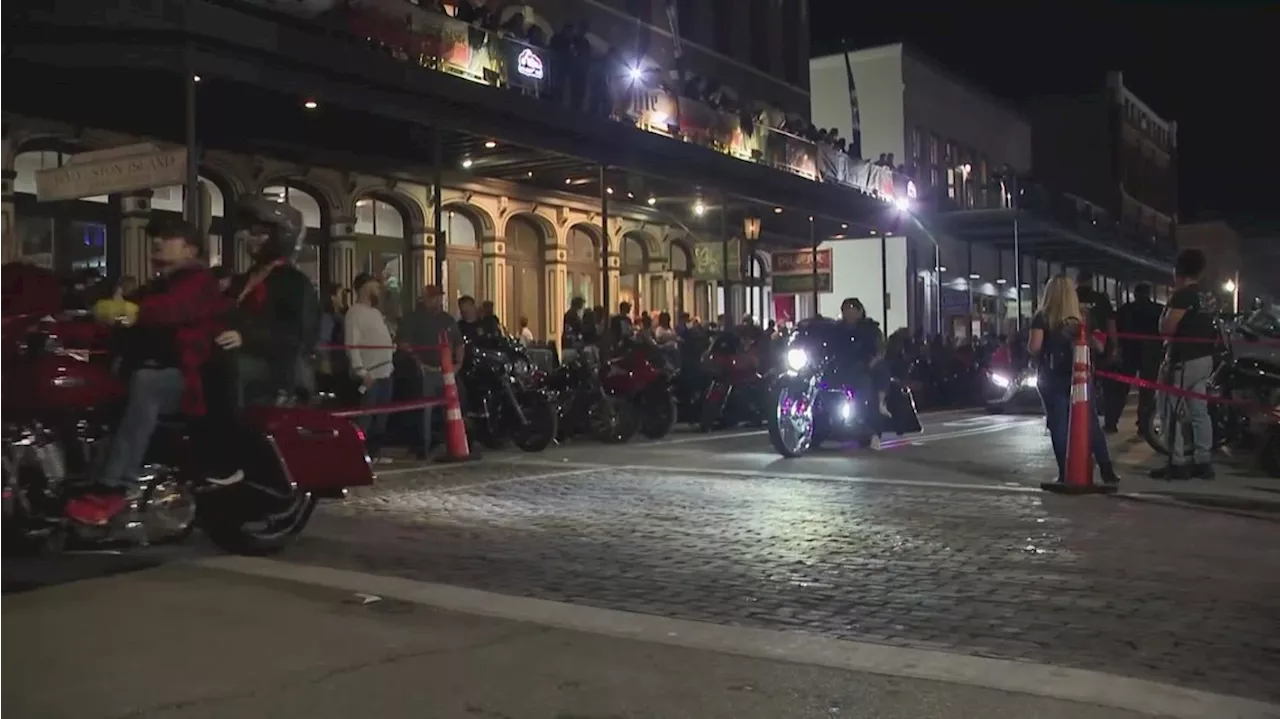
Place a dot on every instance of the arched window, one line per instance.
(380, 250)
(525, 259)
(582, 266)
(631, 274)
(312, 219)
(463, 255)
(379, 218)
(759, 292)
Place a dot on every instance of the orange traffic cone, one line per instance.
(1079, 470)
(455, 430)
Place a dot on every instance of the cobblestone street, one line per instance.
(1162, 593)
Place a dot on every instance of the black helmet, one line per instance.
(283, 220)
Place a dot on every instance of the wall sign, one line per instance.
(530, 65)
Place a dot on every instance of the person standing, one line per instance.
(420, 335)
(1099, 316)
(369, 351)
(1138, 357)
(1188, 324)
(1051, 345)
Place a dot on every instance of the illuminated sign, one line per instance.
(529, 64)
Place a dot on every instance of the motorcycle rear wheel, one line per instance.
(232, 532)
(1153, 431)
(613, 420)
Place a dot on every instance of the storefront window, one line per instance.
(375, 217)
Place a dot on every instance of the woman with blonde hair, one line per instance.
(1052, 347)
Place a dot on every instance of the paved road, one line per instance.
(941, 542)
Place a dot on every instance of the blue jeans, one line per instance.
(152, 392)
(374, 426)
(1192, 375)
(1057, 416)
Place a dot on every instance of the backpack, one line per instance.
(1058, 354)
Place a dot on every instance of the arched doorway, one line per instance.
(463, 255)
(634, 265)
(64, 235)
(582, 265)
(380, 246)
(312, 218)
(759, 293)
(525, 298)
(172, 201)
(681, 273)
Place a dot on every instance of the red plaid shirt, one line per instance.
(192, 307)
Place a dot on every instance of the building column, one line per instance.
(494, 275)
(615, 282)
(421, 263)
(12, 249)
(556, 284)
(135, 246)
(343, 263)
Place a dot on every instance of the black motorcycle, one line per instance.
(1246, 376)
(816, 401)
(504, 399)
(586, 405)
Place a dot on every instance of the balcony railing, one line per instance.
(443, 44)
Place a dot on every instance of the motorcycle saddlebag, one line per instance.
(321, 453)
(902, 409)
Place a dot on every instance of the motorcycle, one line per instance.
(814, 402)
(645, 377)
(586, 406)
(1009, 391)
(61, 401)
(504, 400)
(738, 388)
(1246, 377)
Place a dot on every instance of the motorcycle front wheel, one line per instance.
(614, 420)
(542, 425)
(792, 425)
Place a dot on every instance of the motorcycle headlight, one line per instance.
(1029, 381)
(797, 359)
(999, 380)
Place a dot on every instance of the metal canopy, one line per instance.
(376, 113)
(1050, 241)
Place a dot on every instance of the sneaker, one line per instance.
(1170, 472)
(94, 509)
(227, 480)
(1203, 471)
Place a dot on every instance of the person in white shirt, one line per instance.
(526, 334)
(369, 349)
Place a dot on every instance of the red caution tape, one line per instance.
(1172, 390)
(408, 405)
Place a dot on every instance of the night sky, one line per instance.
(1203, 68)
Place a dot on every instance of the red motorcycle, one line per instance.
(644, 376)
(738, 386)
(60, 403)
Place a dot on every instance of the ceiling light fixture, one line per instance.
(490, 145)
(310, 104)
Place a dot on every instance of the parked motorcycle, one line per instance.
(586, 406)
(738, 390)
(644, 376)
(814, 401)
(60, 404)
(1246, 377)
(504, 401)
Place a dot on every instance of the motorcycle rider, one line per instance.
(177, 317)
(275, 324)
(865, 351)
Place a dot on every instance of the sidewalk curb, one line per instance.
(1084, 686)
(1170, 500)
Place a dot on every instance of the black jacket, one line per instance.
(278, 322)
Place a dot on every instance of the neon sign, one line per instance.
(529, 64)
